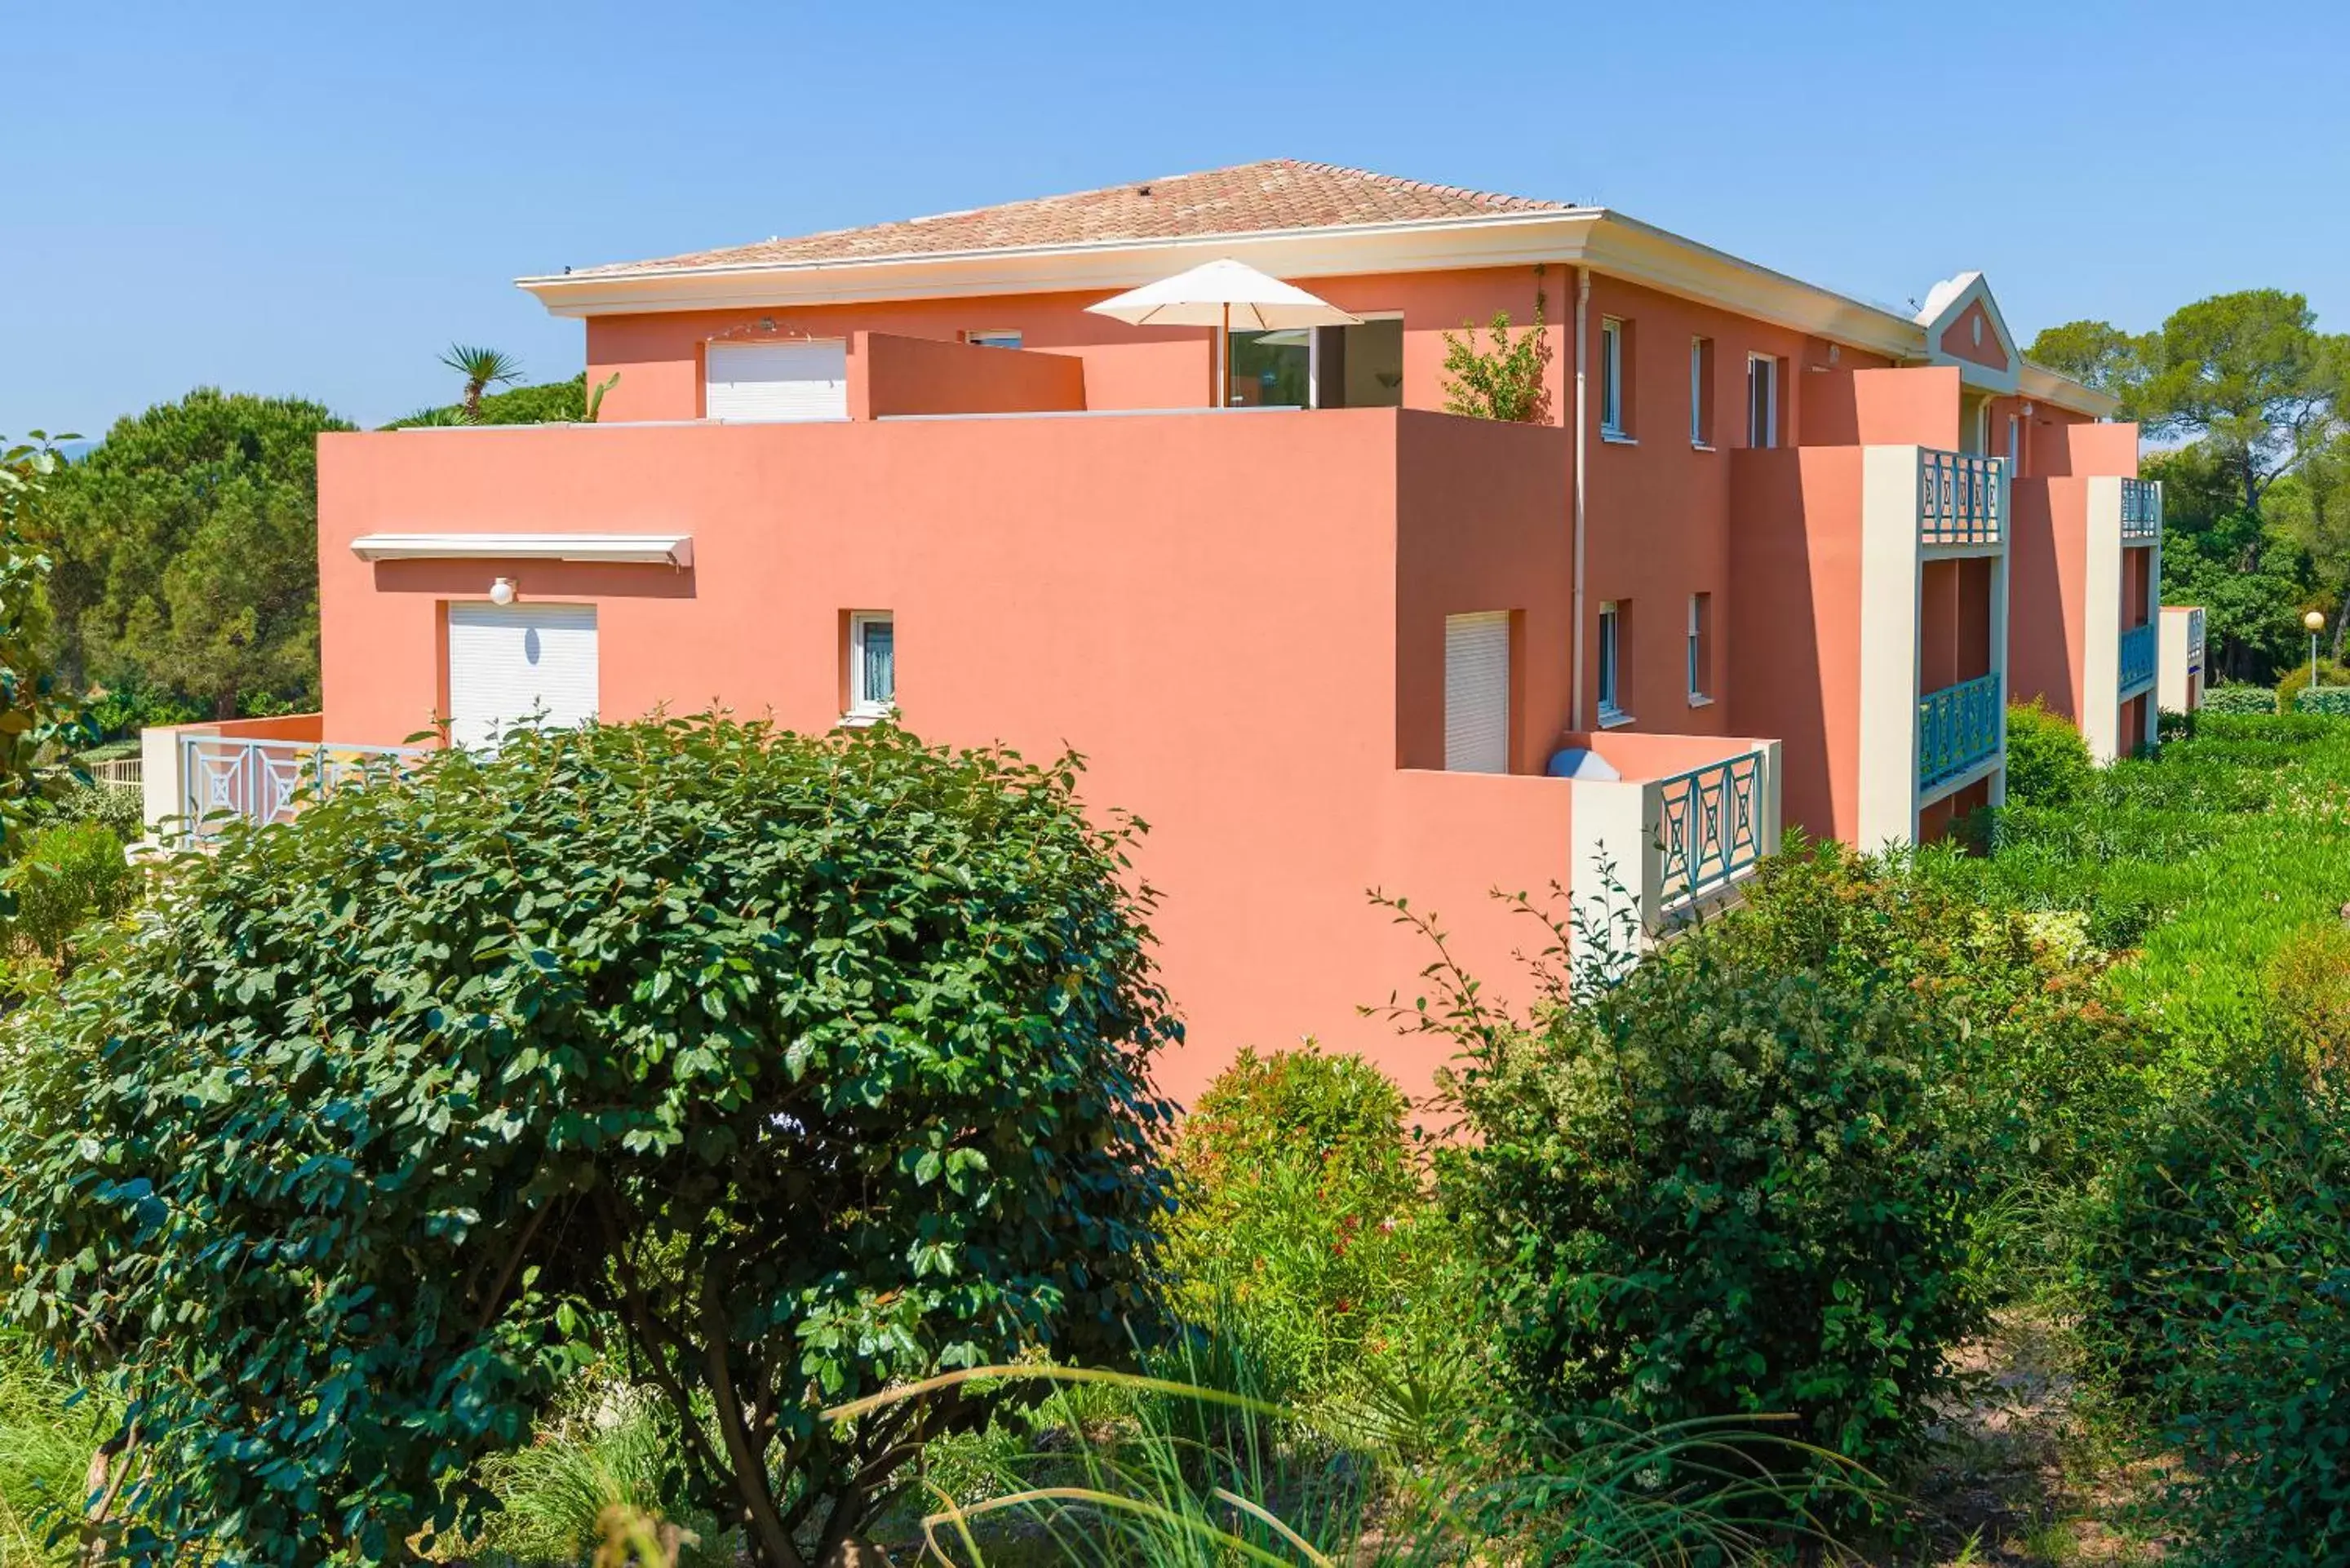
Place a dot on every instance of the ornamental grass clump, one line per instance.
(774, 1069)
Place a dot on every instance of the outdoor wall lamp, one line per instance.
(502, 590)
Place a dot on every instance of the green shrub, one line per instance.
(2218, 1282)
(2333, 701)
(70, 874)
(2047, 762)
(2042, 1060)
(1722, 1186)
(121, 812)
(2308, 980)
(1306, 1238)
(2239, 699)
(130, 706)
(782, 1069)
(2296, 681)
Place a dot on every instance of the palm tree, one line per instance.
(483, 368)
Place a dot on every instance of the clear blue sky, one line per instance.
(314, 198)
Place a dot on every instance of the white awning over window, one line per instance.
(662, 549)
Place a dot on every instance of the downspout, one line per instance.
(1582, 357)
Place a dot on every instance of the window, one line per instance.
(1701, 392)
(1762, 401)
(1701, 648)
(512, 665)
(2014, 444)
(776, 381)
(1612, 617)
(1613, 411)
(1358, 367)
(872, 664)
(992, 339)
(1477, 692)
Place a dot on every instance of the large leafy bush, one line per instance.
(2219, 1290)
(2043, 1064)
(1724, 1186)
(785, 1068)
(2047, 762)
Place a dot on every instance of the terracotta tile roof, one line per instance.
(1278, 194)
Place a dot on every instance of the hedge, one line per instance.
(2333, 701)
(2240, 700)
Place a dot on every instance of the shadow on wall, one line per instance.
(2041, 664)
(1786, 555)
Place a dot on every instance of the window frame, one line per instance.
(1702, 393)
(1609, 664)
(1314, 356)
(1611, 379)
(1701, 648)
(1770, 429)
(993, 338)
(861, 707)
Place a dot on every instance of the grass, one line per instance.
(2204, 859)
(44, 1449)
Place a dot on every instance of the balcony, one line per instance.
(2138, 661)
(1961, 500)
(254, 771)
(2141, 511)
(1711, 829)
(1960, 729)
(1683, 825)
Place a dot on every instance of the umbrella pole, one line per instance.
(1224, 362)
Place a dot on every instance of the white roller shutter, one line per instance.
(509, 662)
(777, 380)
(1477, 692)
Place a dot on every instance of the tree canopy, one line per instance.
(785, 1070)
(2248, 373)
(34, 713)
(2256, 514)
(187, 549)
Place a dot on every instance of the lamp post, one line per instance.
(2315, 622)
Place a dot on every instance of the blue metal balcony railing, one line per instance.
(1961, 499)
(1959, 728)
(2137, 660)
(1711, 826)
(2141, 511)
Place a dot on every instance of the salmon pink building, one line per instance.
(1772, 557)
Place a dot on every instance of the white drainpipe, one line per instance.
(1582, 317)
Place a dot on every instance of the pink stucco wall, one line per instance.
(1238, 618)
(1916, 406)
(1796, 554)
(1959, 338)
(889, 375)
(2048, 566)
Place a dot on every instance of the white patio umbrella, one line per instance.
(1221, 294)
